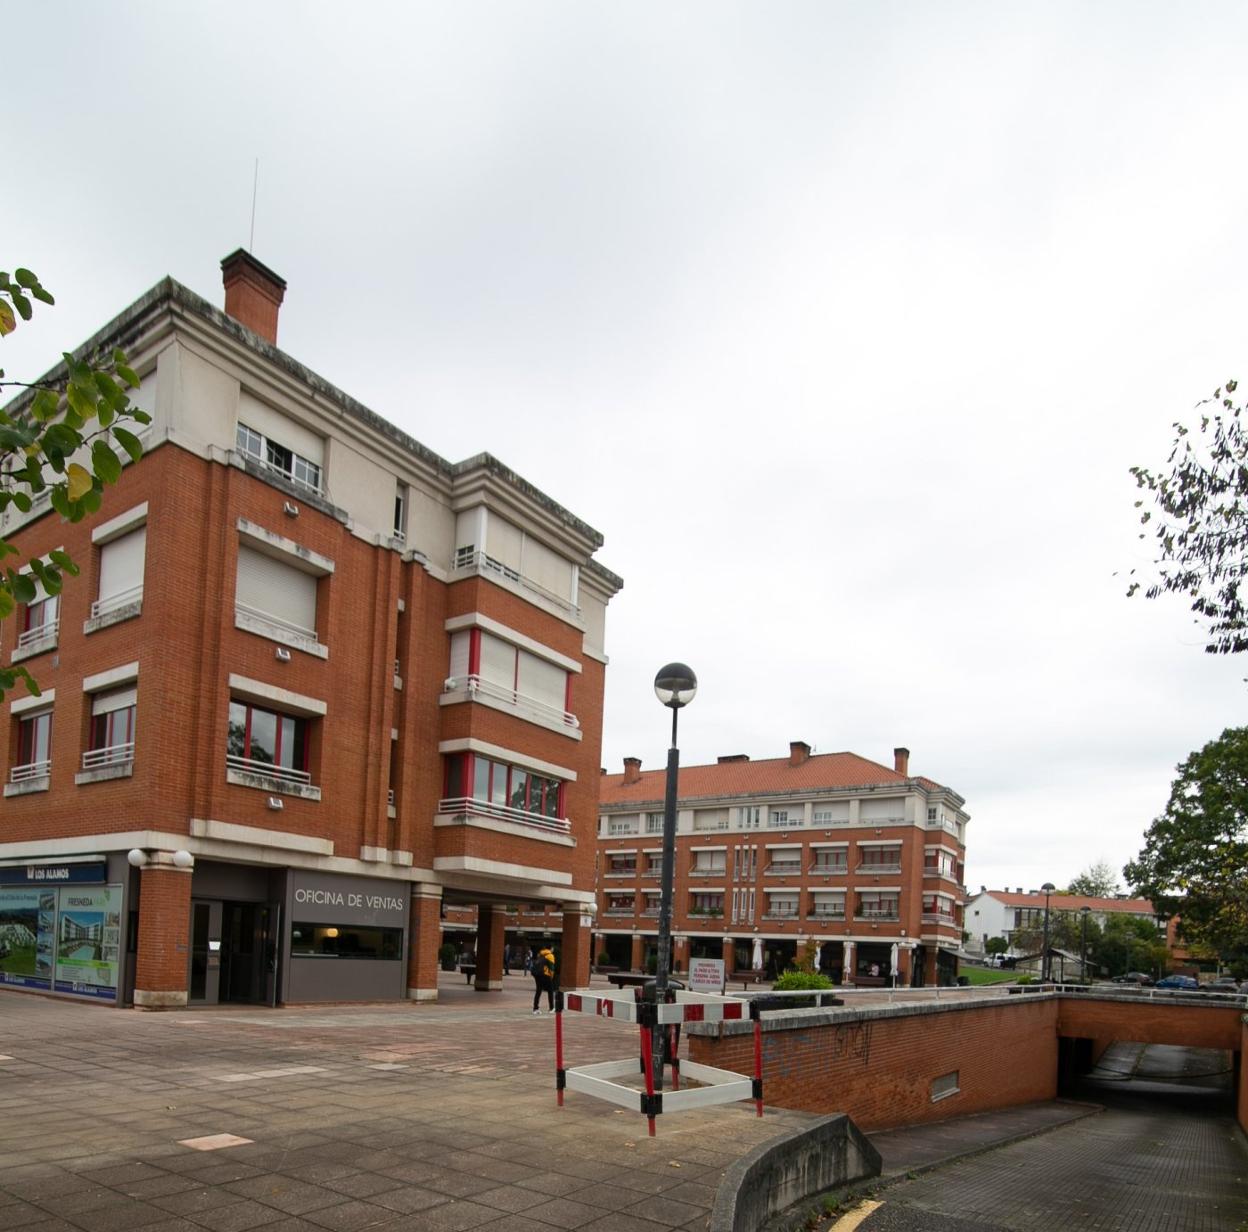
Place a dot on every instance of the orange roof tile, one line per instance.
(1072, 902)
(743, 778)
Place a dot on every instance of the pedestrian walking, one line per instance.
(543, 980)
(506, 960)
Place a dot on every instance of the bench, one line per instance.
(745, 978)
(469, 969)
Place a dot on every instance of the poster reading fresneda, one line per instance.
(27, 924)
(88, 940)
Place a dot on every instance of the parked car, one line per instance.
(1179, 983)
(1140, 978)
(1224, 983)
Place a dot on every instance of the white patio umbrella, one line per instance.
(818, 952)
(847, 961)
(892, 961)
(757, 961)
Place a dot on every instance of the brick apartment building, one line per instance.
(314, 686)
(830, 851)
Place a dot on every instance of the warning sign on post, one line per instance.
(706, 975)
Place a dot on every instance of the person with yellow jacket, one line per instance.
(544, 979)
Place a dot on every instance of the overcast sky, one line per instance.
(842, 323)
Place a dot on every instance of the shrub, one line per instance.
(802, 981)
(604, 959)
(446, 955)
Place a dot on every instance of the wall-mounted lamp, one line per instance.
(136, 857)
(183, 859)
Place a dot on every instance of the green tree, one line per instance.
(1098, 880)
(1196, 852)
(1199, 521)
(60, 438)
(1127, 943)
(1065, 932)
(996, 945)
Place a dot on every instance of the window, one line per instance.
(747, 818)
(261, 741)
(785, 863)
(944, 1086)
(512, 792)
(654, 823)
(121, 572)
(41, 620)
(706, 904)
(620, 904)
(621, 825)
(875, 906)
(830, 861)
(939, 862)
(879, 858)
(400, 512)
(652, 903)
(828, 906)
(488, 665)
(278, 458)
(621, 866)
(778, 819)
(935, 905)
(34, 747)
(345, 941)
(782, 905)
(707, 862)
(932, 815)
(111, 741)
(277, 593)
(710, 819)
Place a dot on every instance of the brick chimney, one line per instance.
(253, 293)
(799, 752)
(632, 769)
(725, 759)
(901, 761)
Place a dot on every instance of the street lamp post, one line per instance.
(1084, 911)
(675, 686)
(1048, 889)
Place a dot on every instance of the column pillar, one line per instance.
(574, 947)
(637, 957)
(423, 939)
(491, 936)
(680, 955)
(730, 957)
(162, 968)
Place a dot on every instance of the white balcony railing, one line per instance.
(820, 913)
(45, 632)
(101, 607)
(287, 626)
(113, 755)
(31, 770)
(249, 765)
(785, 823)
(487, 688)
(780, 913)
(465, 806)
(829, 870)
(466, 558)
(893, 866)
(783, 869)
(877, 913)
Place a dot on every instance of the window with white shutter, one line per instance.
(277, 593)
(121, 572)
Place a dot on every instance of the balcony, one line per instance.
(940, 917)
(783, 869)
(826, 914)
(651, 872)
(621, 872)
(31, 770)
(476, 687)
(877, 914)
(114, 755)
(789, 823)
(250, 765)
(464, 807)
(114, 603)
(38, 634)
(829, 870)
(467, 558)
(696, 871)
(872, 870)
(785, 913)
(617, 911)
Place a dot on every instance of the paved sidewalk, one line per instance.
(403, 1118)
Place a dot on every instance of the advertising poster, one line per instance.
(27, 933)
(88, 940)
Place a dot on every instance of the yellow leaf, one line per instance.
(80, 481)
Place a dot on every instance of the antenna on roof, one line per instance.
(255, 183)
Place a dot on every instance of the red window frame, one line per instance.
(299, 728)
(468, 776)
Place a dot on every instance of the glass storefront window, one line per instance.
(345, 941)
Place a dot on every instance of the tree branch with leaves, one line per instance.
(60, 440)
(1199, 521)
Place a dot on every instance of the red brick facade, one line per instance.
(372, 703)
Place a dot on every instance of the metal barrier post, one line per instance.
(561, 1075)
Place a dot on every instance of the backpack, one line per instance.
(542, 966)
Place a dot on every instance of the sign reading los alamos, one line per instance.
(329, 898)
(706, 975)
